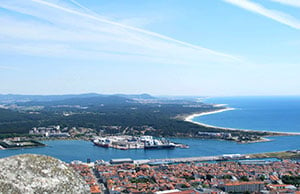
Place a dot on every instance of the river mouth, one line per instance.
(64, 149)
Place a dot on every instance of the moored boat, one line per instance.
(159, 144)
(163, 146)
(101, 142)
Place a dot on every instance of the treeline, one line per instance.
(293, 180)
(101, 111)
(159, 116)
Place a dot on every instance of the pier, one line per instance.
(223, 157)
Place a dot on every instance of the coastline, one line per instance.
(190, 118)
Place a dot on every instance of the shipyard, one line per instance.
(126, 142)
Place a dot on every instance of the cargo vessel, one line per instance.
(163, 146)
(159, 144)
(101, 142)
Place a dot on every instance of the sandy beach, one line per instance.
(190, 118)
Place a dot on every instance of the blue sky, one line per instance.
(161, 47)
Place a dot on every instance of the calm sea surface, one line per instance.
(274, 114)
(257, 113)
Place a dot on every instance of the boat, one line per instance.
(159, 144)
(163, 146)
(101, 142)
(182, 146)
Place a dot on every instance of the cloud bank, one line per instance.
(295, 3)
(272, 14)
(68, 30)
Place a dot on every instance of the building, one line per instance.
(237, 187)
(121, 161)
(231, 156)
(254, 162)
(282, 188)
(176, 191)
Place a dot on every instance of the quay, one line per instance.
(246, 158)
(190, 159)
(202, 158)
(224, 157)
(18, 144)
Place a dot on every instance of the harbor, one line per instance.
(17, 143)
(224, 157)
(197, 147)
(254, 159)
(126, 142)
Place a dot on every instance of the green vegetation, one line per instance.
(281, 155)
(262, 177)
(227, 176)
(293, 180)
(244, 178)
(10, 135)
(209, 177)
(102, 113)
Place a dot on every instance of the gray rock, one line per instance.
(34, 174)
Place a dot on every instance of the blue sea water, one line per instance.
(264, 113)
(257, 113)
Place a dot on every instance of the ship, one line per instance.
(101, 142)
(163, 146)
(159, 144)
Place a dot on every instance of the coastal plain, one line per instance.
(94, 114)
(61, 122)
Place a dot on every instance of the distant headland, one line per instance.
(85, 116)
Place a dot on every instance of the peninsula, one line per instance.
(88, 115)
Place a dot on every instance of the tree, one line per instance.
(244, 178)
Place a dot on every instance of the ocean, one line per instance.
(257, 113)
(281, 114)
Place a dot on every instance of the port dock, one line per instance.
(126, 142)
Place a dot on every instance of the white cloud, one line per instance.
(295, 3)
(48, 29)
(5, 67)
(273, 14)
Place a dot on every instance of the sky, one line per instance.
(160, 47)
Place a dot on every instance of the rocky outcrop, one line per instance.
(31, 173)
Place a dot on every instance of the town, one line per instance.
(241, 176)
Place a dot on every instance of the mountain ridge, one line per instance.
(13, 98)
